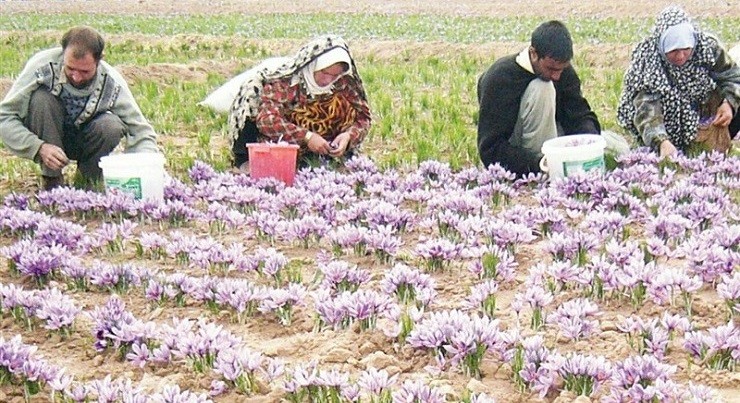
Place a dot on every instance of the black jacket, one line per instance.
(500, 91)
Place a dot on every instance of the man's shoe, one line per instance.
(51, 182)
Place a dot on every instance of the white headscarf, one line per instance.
(679, 36)
(333, 56)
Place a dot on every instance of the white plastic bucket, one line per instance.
(141, 174)
(575, 153)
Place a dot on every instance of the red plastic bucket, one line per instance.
(270, 160)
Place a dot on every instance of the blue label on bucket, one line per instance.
(128, 185)
(585, 165)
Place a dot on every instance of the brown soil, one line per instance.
(544, 8)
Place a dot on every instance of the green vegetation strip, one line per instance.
(454, 29)
(424, 105)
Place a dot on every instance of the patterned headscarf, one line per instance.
(246, 104)
(681, 89)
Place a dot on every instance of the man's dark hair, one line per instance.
(552, 39)
(84, 40)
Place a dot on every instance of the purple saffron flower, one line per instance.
(573, 318)
(409, 285)
(417, 391)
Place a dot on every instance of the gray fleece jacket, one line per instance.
(108, 93)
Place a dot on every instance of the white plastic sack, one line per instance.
(735, 53)
(615, 143)
(221, 98)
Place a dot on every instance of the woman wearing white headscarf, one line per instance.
(315, 100)
(670, 83)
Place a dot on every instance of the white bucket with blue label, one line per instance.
(140, 174)
(566, 155)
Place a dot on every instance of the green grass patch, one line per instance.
(424, 105)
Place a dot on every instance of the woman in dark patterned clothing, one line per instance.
(315, 100)
(671, 82)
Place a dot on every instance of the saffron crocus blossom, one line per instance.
(548, 220)
(584, 374)
(537, 298)
(483, 297)
(57, 310)
(38, 261)
(509, 235)
(20, 222)
(377, 384)
(435, 171)
(240, 295)
(729, 291)
(461, 203)
(349, 236)
(701, 394)
(468, 178)
(115, 277)
(282, 300)
(365, 306)
(528, 363)
(175, 212)
(172, 394)
(634, 277)
(274, 264)
(461, 338)
(151, 244)
(446, 222)
(470, 229)
(331, 310)
(574, 246)
(574, 318)
(306, 229)
(718, 348)
(201, 172)
(417, 391)
(381, 213)
(239, 368)
(198, 343)
(711, 261)
(383, 243)
(672, 228)
(675, 323)
(56, 231)
(642, 378)
(672, 283)
(409, 285)
(13, 354)
(222, 217)
(645, 337)
(563, 275)
(299, 379)
(109, 319)
(607, 224)
(496, 173)
(361, 163)
(331, 384)
(339, 276)
(437, 253)
(494, 263)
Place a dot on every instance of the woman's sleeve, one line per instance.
(359, 129)
(727, 75)
(271, 121)
(649, 119)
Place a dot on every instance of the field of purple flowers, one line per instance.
(379, 286)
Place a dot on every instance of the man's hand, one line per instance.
(52, 156)
(667, 148)
(339, 145)
(723, 116)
